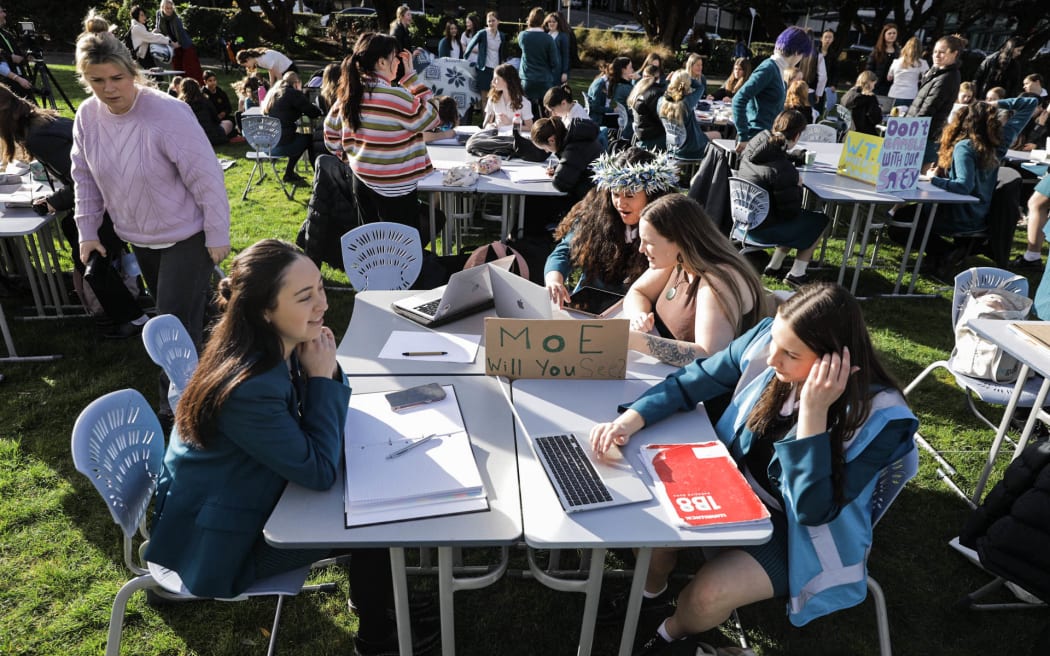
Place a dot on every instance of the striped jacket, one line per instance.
(387, 153)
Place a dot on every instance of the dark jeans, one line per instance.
(179, 278)
(293, 150)
(120, 306)
(372, 207)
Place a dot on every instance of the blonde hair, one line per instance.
(93, 23)
(910, 53)
(865, 78)
(678, 87)
(94, 48)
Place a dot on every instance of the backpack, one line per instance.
(977, 357)
(494, 251)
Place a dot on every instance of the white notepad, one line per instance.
(527, 174)
(436, 478)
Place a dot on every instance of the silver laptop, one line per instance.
(467, 292)
(516, 297)
(582, 480)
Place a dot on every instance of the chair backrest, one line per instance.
(891, 481)
(382, 255)
(748, 205)
(818, 133)
(261, 132)
(118, 444)
(621, 116)
(844, 114)
(675, 134)
(984, 278)
(169, 345)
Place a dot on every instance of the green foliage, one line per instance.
(597, 46)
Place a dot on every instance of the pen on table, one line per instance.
(406, 449)
(412, 353)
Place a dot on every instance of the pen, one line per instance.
(411, 353)
(409, 447)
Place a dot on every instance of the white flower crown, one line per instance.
(658, 175)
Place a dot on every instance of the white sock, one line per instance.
(777, 260)
(654, 595)
(141, 321)
(662, 631)
(1032, 256)
(798, 269)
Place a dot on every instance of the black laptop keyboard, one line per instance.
(573, 472)
(429, 309)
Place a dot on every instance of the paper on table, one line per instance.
(457, 347)
(522, 174)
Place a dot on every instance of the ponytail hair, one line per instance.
(359, 73)
(557, 95)
(787, 127)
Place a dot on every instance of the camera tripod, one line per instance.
(45, 90)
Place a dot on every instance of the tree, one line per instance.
(666, 22)
(278, 12)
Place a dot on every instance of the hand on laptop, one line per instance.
(555, 283)
(616, 432)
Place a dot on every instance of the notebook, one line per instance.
(527, 174)
(1036, 332)
(581, 480)
(467, 292)
(438, 477)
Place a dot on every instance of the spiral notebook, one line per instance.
(438, 477)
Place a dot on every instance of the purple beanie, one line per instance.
(794, 41)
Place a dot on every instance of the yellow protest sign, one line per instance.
(860, 157)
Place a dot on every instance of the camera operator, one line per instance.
(12, 60)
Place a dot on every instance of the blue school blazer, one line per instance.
(212, 503)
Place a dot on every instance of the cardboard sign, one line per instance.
(902, 151)
(556, 348)
(860, 157)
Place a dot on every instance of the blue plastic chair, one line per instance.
(169, 345)
(382, 255)
(118, 444)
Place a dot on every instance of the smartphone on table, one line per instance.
(414, 396)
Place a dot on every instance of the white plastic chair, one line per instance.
(169, 345)
(382, 255)
(985, 390)
(676, 136)
(818, 133)
(118, 444)
(749, 207)
(262, 133)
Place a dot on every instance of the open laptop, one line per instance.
(467, 292)
(582, 480)
(516, 297)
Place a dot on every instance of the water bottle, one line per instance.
(261, 92)
(515, 126)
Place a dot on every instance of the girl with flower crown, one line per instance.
(699, 293)
(599, 237)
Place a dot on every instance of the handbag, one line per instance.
(977, 357)
(490, 142)
(460, 176)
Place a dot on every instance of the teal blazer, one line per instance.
(212, 503)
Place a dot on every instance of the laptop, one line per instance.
(467, 292)
(582, 480)
(516, 297)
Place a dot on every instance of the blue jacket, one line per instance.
(600, 102)
(540, 62)
(212, 503)
(834, 576)
(561, 43)
(560, 260)
(445, 46)
(481, 41)
(757, 103)
(695, 140)
(966, 176)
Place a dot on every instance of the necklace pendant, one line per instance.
(671, 293)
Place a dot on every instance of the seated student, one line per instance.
(863, 104)
(610, 88)
(699, 293)
(676, 108)
(797, 98)
(741, 71)
(648, 128)
(286, 102)
(250, 92)
(218, 98)
(599, 236)
(814, 418)
(448, 112)
(994, 94)
(218, 131)
(1038, 210)
(576, 147)
(175, 86)
(766, 163)
(559, 102)
(505, 99)
(265, 407)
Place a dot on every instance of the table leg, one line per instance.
(922, 246)
(404, 620)
(445, 601)
(30, 274)
(590, 605)
(634, 600)
(907, 254)
(863, 250)
(1004, 426)
(12, 355)
(433, 221)
(850, 236)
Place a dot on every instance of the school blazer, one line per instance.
(211, 504)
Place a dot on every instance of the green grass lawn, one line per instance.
(60, 559)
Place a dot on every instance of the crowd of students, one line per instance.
(796, 390)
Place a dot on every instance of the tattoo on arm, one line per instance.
(672, 351)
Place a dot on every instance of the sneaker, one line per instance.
(124, 331)
(772, 273)
(423, 641)
(796, 281)
(1020, 262)
(237, 139)
(295, 179)
(612, 609)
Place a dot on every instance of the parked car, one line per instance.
(627, 27)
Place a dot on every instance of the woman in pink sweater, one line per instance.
(140, 154)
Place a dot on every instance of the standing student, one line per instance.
(761, 98)
(938, 89)
(1000, 69)
(814, 418)
(831, 64)
(264, 408)
(170, 25)
(450, 45)
(540, 63)
(139, 154)
(377, 128)
(491, 51)
(472, 25)
(882, 56)
(560, 31)
(276, 63)
(905, 72)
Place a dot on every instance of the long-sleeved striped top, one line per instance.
(387, 153)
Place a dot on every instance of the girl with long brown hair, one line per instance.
(882, 55)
